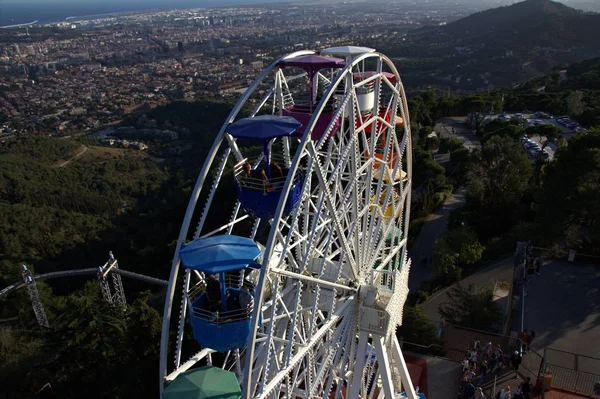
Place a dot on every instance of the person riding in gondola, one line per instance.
(213, 293)
(257, 174)
(276, 170)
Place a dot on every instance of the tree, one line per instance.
(575, 103)
(498, 179)
(143, 338)
(417, 329)
(471, 307)
(460, 155)
(424, 131)
(446, 261)
(509, 132)
(459, 248)
(89, 340)
(478, 108)
(450, 144)
(548, 131)
(501, 171)
(570, 189)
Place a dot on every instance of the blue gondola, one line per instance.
(259, 189)
(221, 310)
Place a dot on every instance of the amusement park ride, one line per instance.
(103, 273)
(298, 292)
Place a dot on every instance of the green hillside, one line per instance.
(497, 47)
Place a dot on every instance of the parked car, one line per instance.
(531, 146)
(572, 125)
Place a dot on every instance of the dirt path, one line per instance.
(74, 158)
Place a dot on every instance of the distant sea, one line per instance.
(46, 11)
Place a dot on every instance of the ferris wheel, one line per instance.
(297, 284)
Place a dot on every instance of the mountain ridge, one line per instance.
(500, 46)
(540, 22)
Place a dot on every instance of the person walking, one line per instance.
(483, 369)
(515, 361)
(538, 265)
(530, 339)
(492, 362)
(479, 394)
(524, 336)
(499, 358)
(487, 350)
(474, 356)
(526, 388)
(506, 393)
(469, 391)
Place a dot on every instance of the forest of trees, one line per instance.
(61, 218)
(509, 197)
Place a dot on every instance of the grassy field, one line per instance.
(97, 154)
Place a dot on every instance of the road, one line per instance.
(563, 308)
(435, 227)
(455, 127)
(500, 271)
(74, 158)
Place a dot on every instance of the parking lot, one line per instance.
(534, 143)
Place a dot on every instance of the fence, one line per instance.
(570, 372)
(573, 372)
(455, 340)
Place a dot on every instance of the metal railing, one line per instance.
(569, 371)
(573, 372)
(225, 317)
(374, 320)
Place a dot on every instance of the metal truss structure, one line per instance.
(118, 297)
(38, 308)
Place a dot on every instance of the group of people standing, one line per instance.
(481, 360)
(524, 391)
(531, 265)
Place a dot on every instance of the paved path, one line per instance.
(445, 129)
(435, 227)
(563, 308)
(498, 271)
(74, 158)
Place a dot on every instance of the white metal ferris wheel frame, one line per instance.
(268, 253)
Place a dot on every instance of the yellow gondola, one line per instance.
(388, 212)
